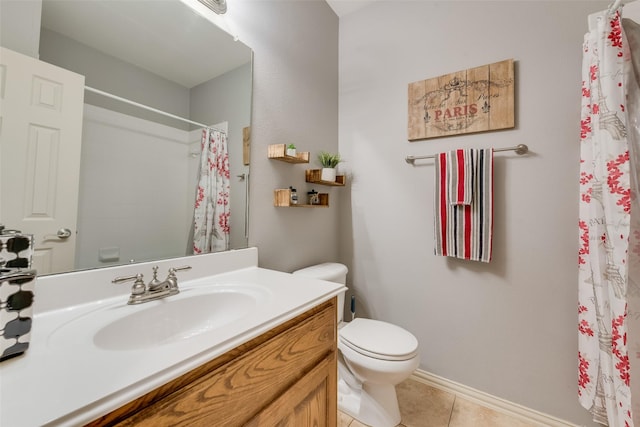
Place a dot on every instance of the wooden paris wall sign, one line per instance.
(475, 100)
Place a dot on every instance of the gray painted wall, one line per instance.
(295, 99)
(117, 77)
(508, 328)
(20, 26)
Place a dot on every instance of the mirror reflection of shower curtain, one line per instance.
(632, 83)
(604, 222)
(211, 213)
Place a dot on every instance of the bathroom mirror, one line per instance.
(138, 167)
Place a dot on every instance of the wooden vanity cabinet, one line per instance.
(285, 377)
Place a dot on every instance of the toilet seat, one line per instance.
(380, 340)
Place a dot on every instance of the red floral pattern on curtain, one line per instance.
(211, 214)
(605, 205)
(632, 109)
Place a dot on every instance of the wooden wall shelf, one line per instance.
(313, 175)
(279, 152)
(282, 199)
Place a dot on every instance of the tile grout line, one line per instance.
(451, 413)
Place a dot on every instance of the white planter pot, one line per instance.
(291, 152)
(328, 174)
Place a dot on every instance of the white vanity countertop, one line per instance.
(72, 382)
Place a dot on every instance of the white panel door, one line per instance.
(40, 137)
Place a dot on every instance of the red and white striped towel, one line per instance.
(460, 164)
(464, 230)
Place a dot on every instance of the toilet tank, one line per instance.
(332, 272)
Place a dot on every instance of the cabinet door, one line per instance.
(235, 392)
(312, 401)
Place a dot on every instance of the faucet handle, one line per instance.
(138, 287)
(172, 279)
(173, 270)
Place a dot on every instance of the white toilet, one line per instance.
(374, 357)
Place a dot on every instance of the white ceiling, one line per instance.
(164, 37)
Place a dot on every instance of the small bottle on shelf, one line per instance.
(313, 197)
(294, 196)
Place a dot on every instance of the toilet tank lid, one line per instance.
(324, 271)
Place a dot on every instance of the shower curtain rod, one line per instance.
(519, 149)
(146, 107)
(613, 6)
(616, 4)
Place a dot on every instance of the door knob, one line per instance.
(63, 233)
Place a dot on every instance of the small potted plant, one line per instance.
(291, 150)
(329, 162)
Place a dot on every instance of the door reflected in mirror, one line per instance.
(135, 173)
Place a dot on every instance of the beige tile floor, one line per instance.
(425, 406)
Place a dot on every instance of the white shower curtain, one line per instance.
(632, 82)
(211, 214)
(605, 209)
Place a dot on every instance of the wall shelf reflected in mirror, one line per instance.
(279, 152)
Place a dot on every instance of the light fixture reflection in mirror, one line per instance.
(125, 212)
(218, 6)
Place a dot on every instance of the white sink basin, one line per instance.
(193, 312)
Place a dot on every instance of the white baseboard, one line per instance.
(497, 404)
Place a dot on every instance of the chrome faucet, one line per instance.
(155, 289)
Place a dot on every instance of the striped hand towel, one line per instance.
(460, 164)
(465, 231)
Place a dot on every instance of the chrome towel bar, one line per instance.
(519, 149)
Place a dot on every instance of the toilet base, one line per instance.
(373, 404)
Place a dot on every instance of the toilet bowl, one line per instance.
(374, 356)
